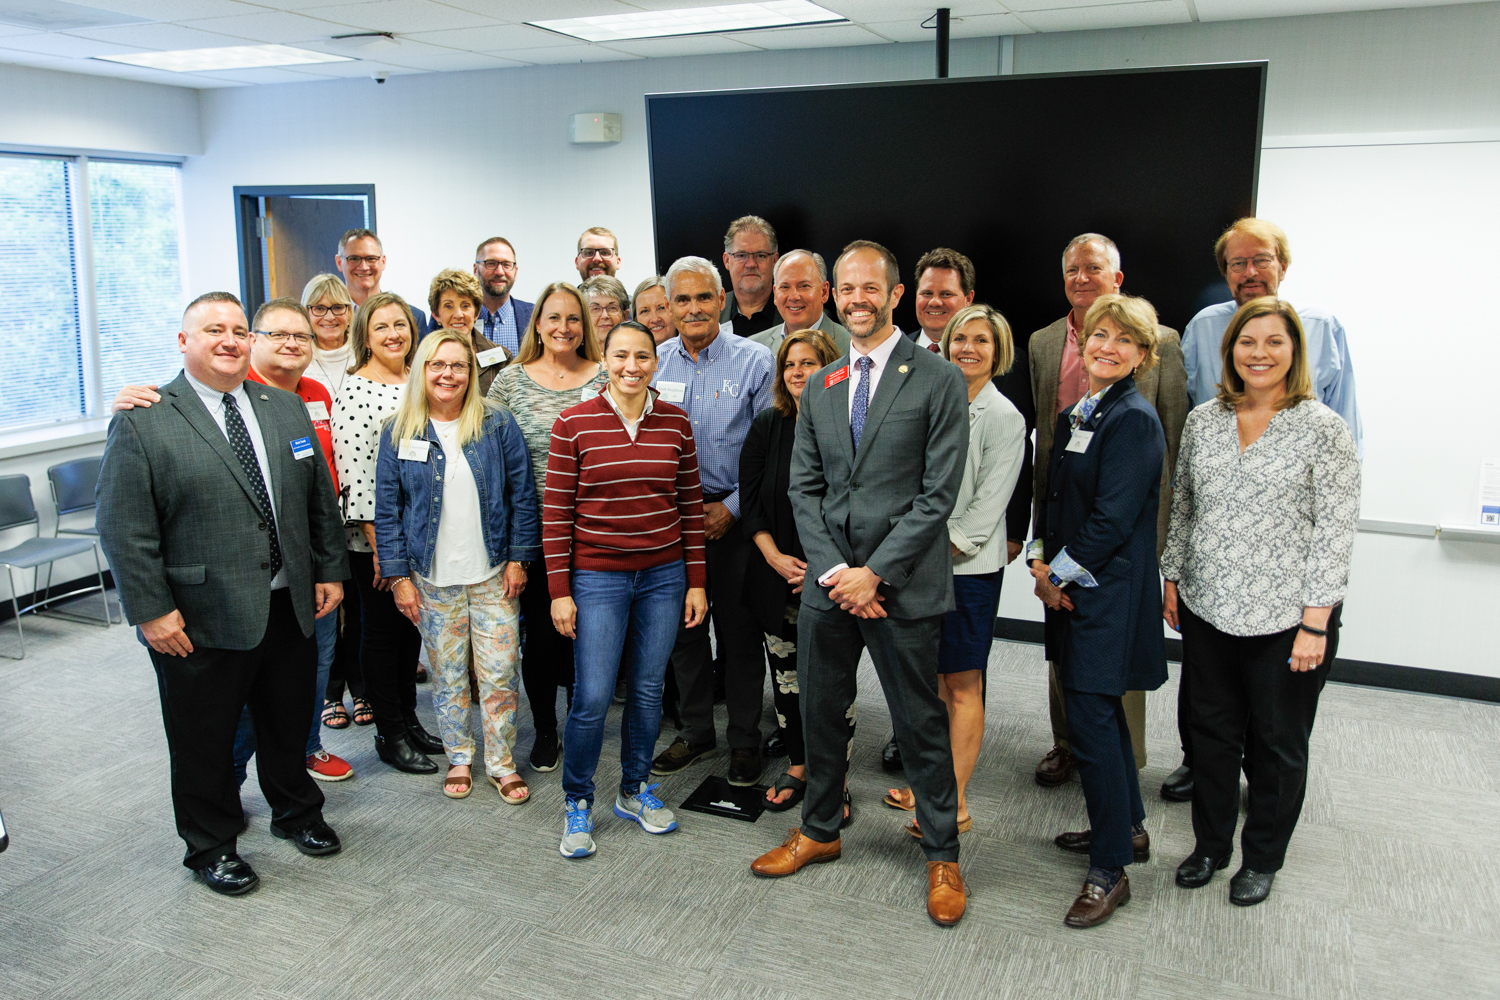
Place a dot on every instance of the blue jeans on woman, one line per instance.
(626, 621)
(326, 631)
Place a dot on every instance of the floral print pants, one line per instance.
(786, 692)
(474, 621)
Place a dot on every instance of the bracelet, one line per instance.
(1314, 631)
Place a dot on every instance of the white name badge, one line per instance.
(1079, 442)
(588, 393)
(317, 410)
(672, 392)
(493, 356)
(413, 450)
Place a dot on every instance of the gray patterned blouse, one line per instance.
(1257, 536)
(536, 409)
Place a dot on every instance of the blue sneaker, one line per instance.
(576, 842)
(646, 809)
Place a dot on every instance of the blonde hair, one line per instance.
(1260, 229)
(451, 279)
(1298, 376)
(822, 345)
(1133, 315)
(531, 341)
(326, 286)
(411, 417)
(1005, 348)
(359, 332)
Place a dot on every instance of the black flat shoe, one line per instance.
(401, 755)
(545, 751)
(848, 819)
(787, 783)
(774, 747)
(422, 739)
(744, 767)
(890, 757)
(1197, 869)
(1250, 887)
(316, 839)
(230, 876)
(1179, 785)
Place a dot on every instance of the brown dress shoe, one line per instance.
(1094, 906)
(1056, 768)
(792, 856)
(946, 895)
(1079, 843)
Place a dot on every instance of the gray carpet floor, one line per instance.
(1391, 890)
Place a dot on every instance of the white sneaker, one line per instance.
(646, 809)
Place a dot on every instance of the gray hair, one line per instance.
(817, 259)
(749, 224)
(608, 287)
(696, 265)
(1110, 250)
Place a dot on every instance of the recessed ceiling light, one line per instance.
(691, 21)
(228, 57)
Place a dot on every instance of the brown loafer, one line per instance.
(1094, 906)
(946, 896)
(1056, 768)
(1079, 843)
(797, 853)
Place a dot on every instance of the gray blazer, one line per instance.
(772, 336)
(178, 524)
(1164, 387)
(886, 508)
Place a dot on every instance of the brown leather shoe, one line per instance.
(1093, 906)
(794, 855)
(1079, 843)
(946, 895)
(1056, 768)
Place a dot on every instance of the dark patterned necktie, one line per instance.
(934, 348)
(239, 440)
(861, 400)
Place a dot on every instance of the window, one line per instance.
(90, 283)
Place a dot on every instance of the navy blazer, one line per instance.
(523, 316)
(1102, 505)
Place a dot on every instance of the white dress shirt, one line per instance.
(925, 342)
(880, 355)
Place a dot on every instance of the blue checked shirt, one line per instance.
(722, 392)
(500, 326)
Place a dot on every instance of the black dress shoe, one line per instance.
(401, 755)
(1196, 869)
(774, 746)
(1179, 785)
(1079, 843)
(890, 757)
(422, 739)
(1250, 887)
(316, 839)
(230, 876)
(744, 767)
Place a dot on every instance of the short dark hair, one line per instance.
(208, 297)
(359, 234)
(892, 269)
(628, 324)
(494, 239)
(276, 305)
(950, 260)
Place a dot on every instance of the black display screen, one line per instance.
(1004, 169)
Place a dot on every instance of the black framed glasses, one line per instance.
(590, 252)
(759, 256)
(456, 367)
(496, 265)
(337, 309)
(282, 336)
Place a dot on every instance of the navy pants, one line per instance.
(1106, 768)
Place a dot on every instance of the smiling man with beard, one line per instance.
(503, 316)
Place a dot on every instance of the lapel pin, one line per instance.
(902, 369)
(264, 396)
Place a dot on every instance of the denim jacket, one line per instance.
(409, 499)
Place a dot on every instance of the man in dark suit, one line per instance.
(882, 436)
(503, 317)
(218, 515)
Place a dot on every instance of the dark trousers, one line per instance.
(1184, 710)
(345, 670)
(739, 638)
(389, 648)
(1100, 738)
(202, 697)
(1250, 709)
(905, 656)
(546, 654)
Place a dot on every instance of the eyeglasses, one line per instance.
(1260, 260)
(280, 337)
(607, 308)
(372, 260)
(741, 256)
(337, 309)
(588, 253)
(497, 265)
(456, 367)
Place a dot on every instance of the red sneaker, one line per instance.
(326, 767)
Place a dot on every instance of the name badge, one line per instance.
(302, 448)
(1079, 442)
(672, 392)
(588, 393)
(493, 356)
(413, 450)
(834, 378)
(317, 410)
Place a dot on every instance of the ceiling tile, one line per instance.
(1234, 10)
(265, 75)
(160, 37)
(1123, 15)
(275, 26)
(8, 30)
(824, 37)
(870, 11)
(69, 46)
(516, 11)
(401, 15)
(435, 58)
(969, 26)
(557, 55)
(174, 10)
(491, 38)
(683, 45)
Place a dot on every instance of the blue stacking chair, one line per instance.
(16, 511)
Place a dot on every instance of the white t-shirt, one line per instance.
(459, 558)
(331, 368)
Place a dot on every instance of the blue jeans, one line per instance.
(625, 619)
(326, 631)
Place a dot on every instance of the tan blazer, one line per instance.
(1164, 387)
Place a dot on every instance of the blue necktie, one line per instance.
(861, 399)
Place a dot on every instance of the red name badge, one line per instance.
(834, 378)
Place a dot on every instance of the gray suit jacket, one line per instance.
(177, 520)
(774, 335)
(886, 507)
(1164, 387)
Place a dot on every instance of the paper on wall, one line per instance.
(1489, 492)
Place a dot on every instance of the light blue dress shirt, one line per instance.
(1327, 355)
(500, 326)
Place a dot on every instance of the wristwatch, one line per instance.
(1057, 581)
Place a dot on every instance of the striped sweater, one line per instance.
(613, 504)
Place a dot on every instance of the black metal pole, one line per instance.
(942, 43)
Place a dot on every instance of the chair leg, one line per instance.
(15, 606)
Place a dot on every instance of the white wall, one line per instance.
(73, 111)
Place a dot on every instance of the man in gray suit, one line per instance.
(219, 519)
(1091, 268)
(881, 442)
(800, 293)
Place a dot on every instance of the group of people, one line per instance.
(558, 495)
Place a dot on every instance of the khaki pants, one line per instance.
(1135, 716)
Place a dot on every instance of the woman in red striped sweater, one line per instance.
(622, 532)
